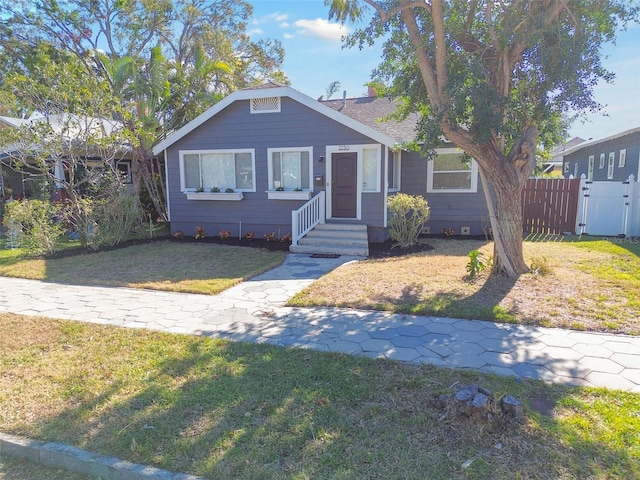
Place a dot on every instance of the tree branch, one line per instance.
(427, 70)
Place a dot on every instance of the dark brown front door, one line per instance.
(344, 174)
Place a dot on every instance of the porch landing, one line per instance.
(334, 238)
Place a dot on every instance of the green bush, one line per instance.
(35, 225)
(114, 220)
(409, 213)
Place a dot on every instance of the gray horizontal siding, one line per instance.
(448, 210)
(235, 128)
(630, 142)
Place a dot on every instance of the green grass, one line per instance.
(585, 282)
(164, 265)
(233, 410)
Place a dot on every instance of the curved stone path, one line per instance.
(254, 311)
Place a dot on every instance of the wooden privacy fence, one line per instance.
(550, 205)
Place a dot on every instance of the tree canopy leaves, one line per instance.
(496, 78)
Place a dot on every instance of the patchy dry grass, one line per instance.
(245, 411)
(584, 285)
(178, 267)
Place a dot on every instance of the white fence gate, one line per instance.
(609, 208)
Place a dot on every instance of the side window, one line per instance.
(590, 167)
(612, 159)
(370, 175)
(602, 160)
(451, 171)
(622, 158)
(394, 171)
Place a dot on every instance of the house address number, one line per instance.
(343, 147)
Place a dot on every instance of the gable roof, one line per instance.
(359, 114)
(600, 140)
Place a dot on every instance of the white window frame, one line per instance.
(611, 165)
(376, 164)
(125, 174)
(251, 151)
(592, 160)
(395, 171)
(622, 158)
(575, 169)
(602, 157)
(567, 166)
(271, 151)
(473, 188)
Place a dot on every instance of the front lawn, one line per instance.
(244, 411)
(583, 284)
(205, 268)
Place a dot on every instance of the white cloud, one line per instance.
(288, 36)
(255, 31)
(275, 17)
(322, 29)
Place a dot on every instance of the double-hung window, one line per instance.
(290, 168)
(451, 171)
(220, 169)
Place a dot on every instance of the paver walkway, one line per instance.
(254, 311)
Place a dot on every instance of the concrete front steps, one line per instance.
(334, 239)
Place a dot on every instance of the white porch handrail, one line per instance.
(307, 216)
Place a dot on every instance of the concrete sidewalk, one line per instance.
(254, 311)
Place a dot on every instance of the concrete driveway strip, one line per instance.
(254, 311)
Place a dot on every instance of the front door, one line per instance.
(344, 175)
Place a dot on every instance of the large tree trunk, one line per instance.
(503, 178)
(505, 214)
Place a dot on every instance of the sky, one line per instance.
(314, 58)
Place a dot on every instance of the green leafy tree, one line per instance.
(71, 143)
(494, 77)
(167, 61)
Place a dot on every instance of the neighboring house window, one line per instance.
(265, 105)
(566, 167)
(394, 171)
(370, 175)
(622, 159)
(602, 160)
(451, 171)
(612, 159)
(218, 168)
(590, 170)
(290, 168)
(124, 170)
(575, 170)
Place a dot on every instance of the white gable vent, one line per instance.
(265, 105)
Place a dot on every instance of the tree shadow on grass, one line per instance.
(483, 304)
(234, 410)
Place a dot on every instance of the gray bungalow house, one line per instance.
(613, 158)
(271, 160)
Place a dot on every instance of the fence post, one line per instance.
(581, 217)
